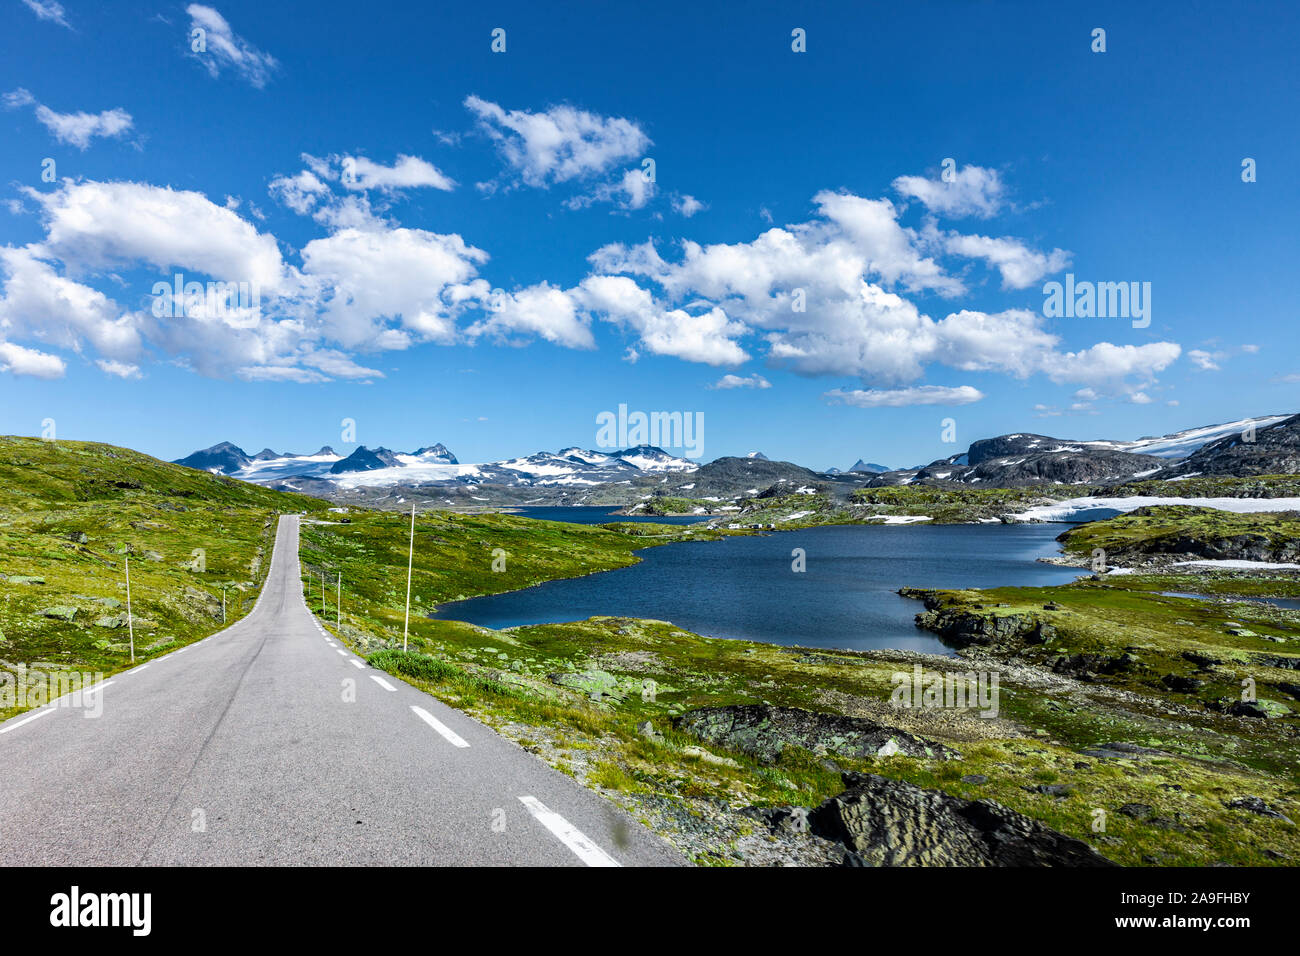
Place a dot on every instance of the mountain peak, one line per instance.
(364, 459)
(869, 466)
(438, 452)
(223, 457)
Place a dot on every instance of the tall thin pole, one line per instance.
(322, 594)
(410, 558)
(223, 605)
(338, 605)
(130, 626)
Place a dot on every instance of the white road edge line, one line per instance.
(453, 738)
(382, 683)
(14, 725)
(339, 650)
(568, 834)
(357, 664)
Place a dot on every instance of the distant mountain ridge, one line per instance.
(1265, 445)
(433, 464)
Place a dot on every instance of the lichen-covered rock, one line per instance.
(59, 612)
(1261, 709)
(763, 731)
(596, 684)
(892, 823)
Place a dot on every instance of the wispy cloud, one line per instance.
(50, 10)
(218, 47)
(74, 129)
(738, 381)
(901, 397)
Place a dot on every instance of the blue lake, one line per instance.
(744, 587)
(589, 515)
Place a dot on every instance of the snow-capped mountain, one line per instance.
(1181, 444)
(1027, 458)
(585, 476)
(435, 464)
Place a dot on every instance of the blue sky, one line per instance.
(451, 244)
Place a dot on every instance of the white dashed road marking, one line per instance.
(381, 682)
(568, 834)
(453, 738)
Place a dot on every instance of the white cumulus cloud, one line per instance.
(974, 191)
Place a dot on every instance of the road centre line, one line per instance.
(453, 738)
(568, 834)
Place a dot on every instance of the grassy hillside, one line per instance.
(71, 512)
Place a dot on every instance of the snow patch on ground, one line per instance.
(1067, 510)
(1242, 565)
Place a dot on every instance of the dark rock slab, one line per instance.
(891, 823)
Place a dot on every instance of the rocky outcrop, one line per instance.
(891, 823)
(1088, 666)
(966, 628)
(763, 731)
(1169, 533)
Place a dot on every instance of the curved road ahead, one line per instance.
(241, 749)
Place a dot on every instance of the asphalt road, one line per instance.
(245, 749)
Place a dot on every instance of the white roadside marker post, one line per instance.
(410, 557)
(223, 605)
(130, 625)
(338, 605)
